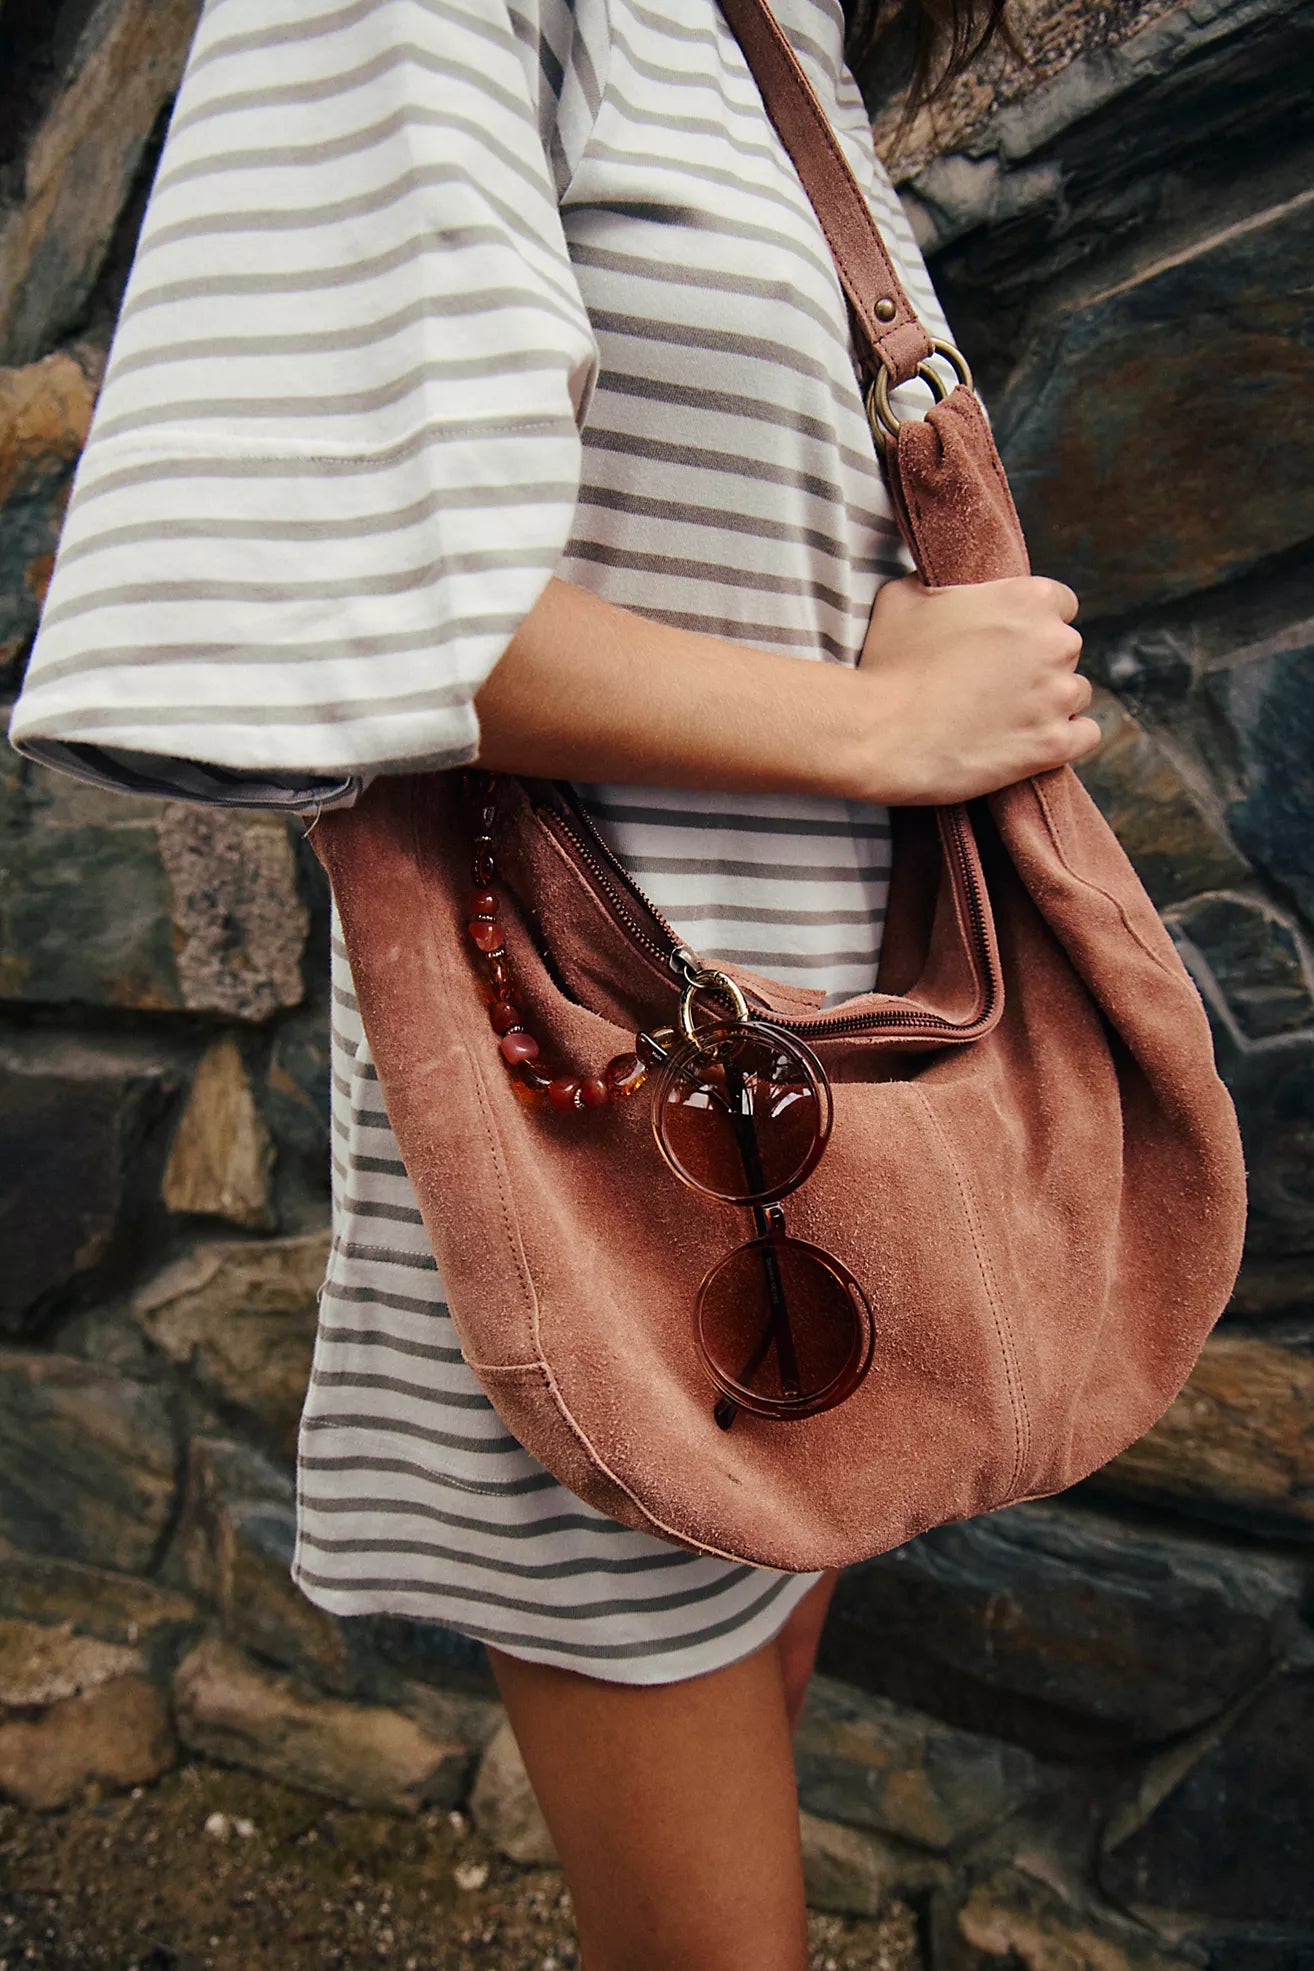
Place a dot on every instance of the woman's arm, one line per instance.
(960, 691)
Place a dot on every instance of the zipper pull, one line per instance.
(686, 964)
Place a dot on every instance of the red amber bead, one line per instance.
(483, 865)
(498, 976)
(486, 936)
(563, 1091)
(532, 1074)
(517, 1047)
(483, 904)
(527, 1092)
(593, 1091)
(504, 1016)
(625, 1073)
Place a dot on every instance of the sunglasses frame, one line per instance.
(771, 1237)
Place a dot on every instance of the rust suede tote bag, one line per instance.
(1032, 1188)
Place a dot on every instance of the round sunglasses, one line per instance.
(741, 1111)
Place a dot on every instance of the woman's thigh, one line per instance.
(674, 1811)
(798, 1640)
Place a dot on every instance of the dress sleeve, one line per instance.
(336, 455)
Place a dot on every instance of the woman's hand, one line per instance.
(971, 688)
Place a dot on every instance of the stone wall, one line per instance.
(1078, 1733)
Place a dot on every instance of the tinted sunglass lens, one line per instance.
(742, 1112)
(783, 1328)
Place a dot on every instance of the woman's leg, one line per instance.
(674, 1811)
(797, 1642)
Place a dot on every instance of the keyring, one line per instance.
(708, 980)
(884, 424)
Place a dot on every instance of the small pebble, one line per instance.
(243, 1827)
(470, 1875)
(217, 1825)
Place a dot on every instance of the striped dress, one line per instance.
(433, 299)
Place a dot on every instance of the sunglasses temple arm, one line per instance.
(778, 1331)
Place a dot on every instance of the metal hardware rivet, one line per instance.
(885, 310)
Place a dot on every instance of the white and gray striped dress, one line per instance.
(435, 298)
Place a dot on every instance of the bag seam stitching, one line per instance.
(1003, 1328)
(544, 1369)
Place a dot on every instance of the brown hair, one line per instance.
(926, 43)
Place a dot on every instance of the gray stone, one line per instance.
(1273, 1089)
(1013, 1920)
(237, 910)
(109, 899)
(1178, 848)
(1260, 1952)
(115, 1735)
(503, 1806)
(75, 1165)
(241, 1315)
(96, 1331)
(1031, 168)
(1231, 1842)
(45, 412)
(86, 1461)
(1109, 393)
(1239, 1440)
(221, 1156)
(80, 164)
(1255, 955)
(229, 1708)
(854, 1873)
(445, 1714)
(1267, 1288)
(13, 801)
(1074, 60)
(40, 1665)
(1065, 1628)
(1266, 698)
(84, 903)
(297, 1093)
(866, 1761)
(1151, 666)
(235, 1540)
(424, 1652)
(90, 1601)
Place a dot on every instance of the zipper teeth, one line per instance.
(610, 870)
(610, 866)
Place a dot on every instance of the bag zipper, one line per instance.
(624, 899)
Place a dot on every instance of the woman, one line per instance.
(483, 389)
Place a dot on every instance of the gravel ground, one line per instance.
(218, 1870)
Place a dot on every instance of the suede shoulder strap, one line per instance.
(886, 320)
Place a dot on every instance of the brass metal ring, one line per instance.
(705, 981)
(884, 424)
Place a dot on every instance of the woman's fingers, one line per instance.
(1083, 692)
(1064, 599)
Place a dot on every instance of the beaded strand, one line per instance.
(623, 1075)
